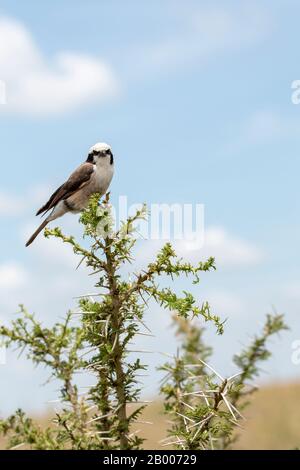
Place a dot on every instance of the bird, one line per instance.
(92, 176)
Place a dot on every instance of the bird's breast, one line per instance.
(101, 179)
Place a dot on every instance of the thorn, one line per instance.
(173, 442)
(206, 400)
(91, 408)
(146, 402)
(134, 433)
(236, 424)
(80, 262)
(192, 365)
(235, 375)
(200, 392)
(145, 334)
(144, 351)
(144, 325)
(185, 417)
(213, 370)
(99, 418)
(115, 342)
(17, 446)
(203, 421)
(196, 434)
(180, 443)
(87, 295)
(193, 377)
(171, 356)
(237, 411)
(189, 406)
(228, 405)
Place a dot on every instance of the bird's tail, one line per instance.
(37, 232)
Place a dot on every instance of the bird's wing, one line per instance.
(77, 180)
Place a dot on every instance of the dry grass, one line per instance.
(273, 421)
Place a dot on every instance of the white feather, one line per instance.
(100, 147)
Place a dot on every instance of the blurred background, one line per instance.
(195, 99)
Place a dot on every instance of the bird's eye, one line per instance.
(108, 152)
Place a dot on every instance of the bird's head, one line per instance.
(100, 153)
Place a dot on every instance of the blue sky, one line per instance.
(195, 99)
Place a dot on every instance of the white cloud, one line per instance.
(12, 276)
(36, 85)
(52, 251)
(264, 125)
(12, 204)
(207, 31)
(228, 250)
(46, 283)
(268, 125)
(225, 303)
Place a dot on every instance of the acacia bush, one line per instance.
(203, 407)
